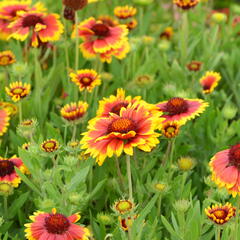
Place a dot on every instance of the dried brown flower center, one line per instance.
(86, 81)
(6, 168)
(176, 106)
(57, 223)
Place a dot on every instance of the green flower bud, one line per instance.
(181, 205)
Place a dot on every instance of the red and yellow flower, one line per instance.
(220, 214)
(50, 145)
(186, 4)
(18, 90)
(100, 38)
(170, 129)
(167, 33)
(74, 111)
(113, 104)
(7, 58)
(4, 120)
(123, 206)
(86, 79)
(210, 81)
(7, 171)
(225, 167)
(11, 108)
(181, 109)
(124, 12)
(194, 66)
(42, 27)
(133, 127)
(126, 222)
(55, 225)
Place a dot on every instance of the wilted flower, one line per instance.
(194, 66)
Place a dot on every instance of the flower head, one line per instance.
(4, 120)
(113, 104)
(18, 90)
(7, 58)
(181, 205)
(7, 171)
(194, 66)
(50, 145)
(123, 206)
(26, 146)
(11, 108)
(180, 109)
(42, 27)
(170, 129)
(124, 12)
(75, 4)
(225, 167)
(55, 226)
(27, 127)
(167, 33)
(133, 127)
(126, 222)
(186, 4)
(74, 111)
(86, 79)
(108, 20)
(6, 189)
(186, 163)
(209, 81)
(100, 39)
(220, 214)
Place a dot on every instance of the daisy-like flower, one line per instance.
(18, 90)
(194, 66)
(86, 79)
(55, 225)
(220, 214)
(225, 167)
(210, 81)
(133, 127)
(42, 27)
(113, 104)
(181, 109)
(99, 38)
(7, 58)
(4, 120)
(74, 111)
(127, 222)
(11, 108)
(132, 24)
(7, 171)
(186, 163)
(124, 12)
(50, 145)
(167, 33)
(170, 129)
(186, 4)
(108, 20)
(123, 206)
(26, 146)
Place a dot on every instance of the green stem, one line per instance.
(120, 177)
(129, 177)
(184, 38)
(184, 177)
(74, 132)
(217, 233)
(159, 206)
(20, 111)
(5, 206)
(76, 52)
(236, 237)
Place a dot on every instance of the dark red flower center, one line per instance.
(121, 125)
(100, 29)
(57, 223)
(86, 81)
(6, 168)
(116, 109)
(220, 214)
(31, 20)
(234, 155)
(176, 105)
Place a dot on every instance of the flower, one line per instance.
(113, 104)
(42, 27)
(26, 146)
(18, 90)
(220, 214)
(170, 129)
(186, 163)
(27, 128)
(7, 58)
(11, 108)
(6, 189)
(186, 4)
(101, 39)
(50, 145)
(144, 81)
(224, 166)
(124, 12)
(7, 171)
(127, 222)
(132, 24)
(4, 120)
(75, 4)
(74, 111)
(108, 20)
(86, 79)
(181, 109)
(209, 81)
(133, 127)
(105, 218)
(159, 187)
(167, 33)
(54, 226)
(123, 206)
(219, 17)
(194, 66)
